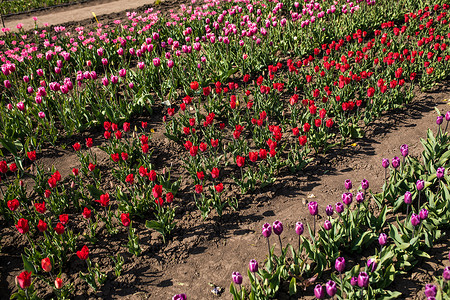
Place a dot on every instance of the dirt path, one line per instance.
(75, 13)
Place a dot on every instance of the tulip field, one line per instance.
(136, 149)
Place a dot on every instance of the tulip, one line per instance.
(339, 207)
(83, 254)
(439, 120)
(395, 162)
(179, 297)
(237, 278)
(404, 150)
(46, 264)
(359, 197)
(319, 292)
(430, 290)
(354, 281)
(58, 283)
(372, 265)
(253, 266)
(348, 184)
(299, 228)
(446, 273)
(266, 232)
(347, 198)
(329, 210)
(327, 225)
(363, 280)
(423, 214)
(420, 184)
(24, 279)
(364, 184)
(331, 288)
(278, 229)
(313, 210)
(440, 172)
(382, 239)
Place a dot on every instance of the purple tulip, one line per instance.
(327, 225)
(299, 228)
(359, 197)
(404, 150)
(395, 162)
(319, 292)
(446, 273)
(354, 281)
(430, 290)
(415, 220)
(407, 197)
(423, 214)
(339, 265)
(364, 184)
(277, 227)
(253, 266)
(363, 280)
(347, 198)
(382, 239)
(385, 163)
(348, 184)
(266, 230)
(372, 264)
(237, 278)
(331, 288)
(447, 116)
(329, 210)
(313, 209)
(179, 297)
(339, 207)
(440, 172)
(439, 120)
(420, 184)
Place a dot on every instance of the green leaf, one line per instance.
(11, 147)
(27, 265)
(293, 287)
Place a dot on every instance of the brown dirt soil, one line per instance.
(203, 252)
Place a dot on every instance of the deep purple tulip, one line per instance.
(395, 162)
(382, 239)
(415, 220)
(440, 172)
(354, 281)
(359, 197)
(348, 184)
(253, 266)
(331, 288)
(339, 207)
(363, 280)
(439, 120)
(404, 150)
(420, 184)
(423, 214)
(327, 225)
(447, 116)
(430, 290)
(179, 297)
(446, 273)
(385, 163)
(372, 264)
(313, 209)
(277, 227)
(339, 265)
(319, 292)
(237, 277)
(299, 228)
(329, 210)
(266, 230)
(347, 198)
(407, 197)
(364, 184)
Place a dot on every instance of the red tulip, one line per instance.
(83, 254)
(46, 264)
(13, 204)
(240, 161)
(22, 226)
(42, 226)
(76, 146)
(59, 229)
(24, 279)
(157, 191)
(125, 218)
(58, 283)
(31, 155)
(86, 213)
(64, 219)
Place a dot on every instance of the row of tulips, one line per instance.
(400, 246)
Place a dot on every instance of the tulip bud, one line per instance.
(331, 288)
(440, 172)
(423, 214)
(359, 197)
(430, 290)
(372, 264)
(312, 206)
(415, 220)
(354, 281)
(446, 273)
(299, 228)
(339, 265)
(347, 198)
(404, 150)
(447, 116)
(382, 239)
(327, 225)
(407, 197)
(266, 230)
(385, 163)
(253, 266)
(363, 280)
(395, 162)
(58, 283)
(439, 120)
(420, 184)
(319, 292)
(348, 184)
(329, 210)
(46, 264)
(339, 207)
(237, 278)
(277, 227)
